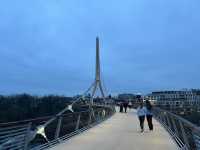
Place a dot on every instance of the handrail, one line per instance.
(183, 120)
(34, 119)
(62, 127)
(185, 133)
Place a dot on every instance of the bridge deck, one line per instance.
(121, 132)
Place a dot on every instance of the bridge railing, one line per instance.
(185, 134)
(14, 137)
(22, 135)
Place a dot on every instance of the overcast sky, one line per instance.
(48, 46)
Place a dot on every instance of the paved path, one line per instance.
(120, 132)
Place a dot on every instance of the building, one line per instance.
(129, 97)
(176, 98)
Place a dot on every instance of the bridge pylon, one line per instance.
(97, 82)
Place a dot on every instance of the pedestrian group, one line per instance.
(143, 111)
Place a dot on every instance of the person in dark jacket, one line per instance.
(149, 115)
(121, 107)
(125, 106)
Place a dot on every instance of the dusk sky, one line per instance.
(48, 46)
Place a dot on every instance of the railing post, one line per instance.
(163, 117)
(78, 122)
(58, 127)
(168, 122)
(90, 118)
(175, 127)
(104, 114)
(27, 136)
(159, 117)
(196, 140)
(186, 142)
(98, 116)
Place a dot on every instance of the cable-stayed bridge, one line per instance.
(99, 126)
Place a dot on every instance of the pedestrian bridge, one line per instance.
(120, 132)
(100, 128)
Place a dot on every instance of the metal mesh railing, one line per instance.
(185, 134)
(14, 137)
(22, 136)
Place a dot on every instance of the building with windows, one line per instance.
(178, 98)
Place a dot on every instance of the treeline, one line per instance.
(193, 117)
(24, 106)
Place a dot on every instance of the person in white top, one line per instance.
(141, 112)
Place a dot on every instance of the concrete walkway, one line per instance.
(120, 132)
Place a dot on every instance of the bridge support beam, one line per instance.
(78, 122)
(57, 133)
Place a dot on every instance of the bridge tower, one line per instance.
(97, 83)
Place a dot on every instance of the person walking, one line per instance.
(149, 115)
(141, 115)
(121, 107)
(129, 105)
(125, 106)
